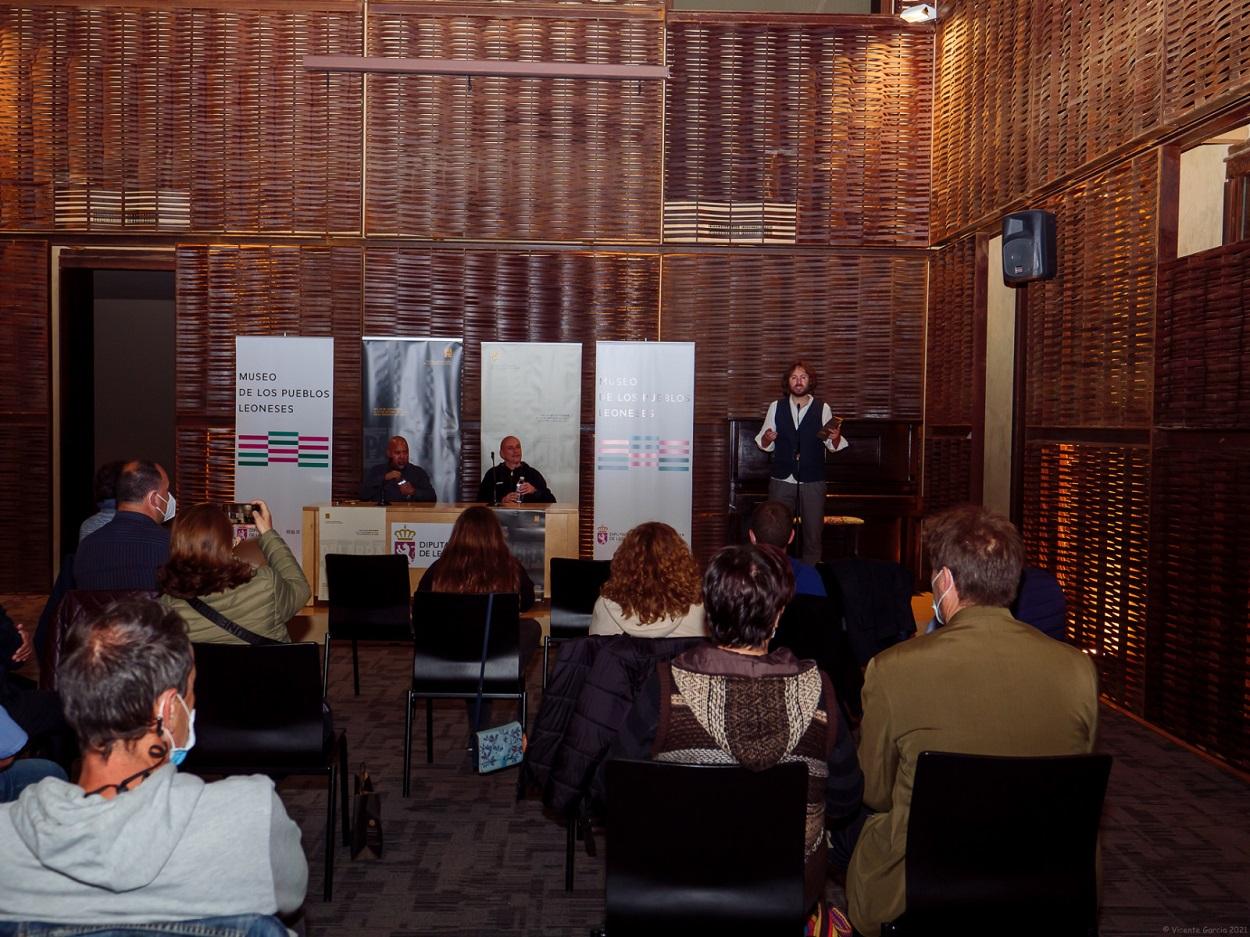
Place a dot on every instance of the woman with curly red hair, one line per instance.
(654, 590)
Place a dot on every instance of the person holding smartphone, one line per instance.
(798, 429)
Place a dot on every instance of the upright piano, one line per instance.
(876, 478)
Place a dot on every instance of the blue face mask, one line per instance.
(178, 753)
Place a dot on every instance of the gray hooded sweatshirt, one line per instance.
(173, 848)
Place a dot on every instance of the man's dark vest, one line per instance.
(811, 461)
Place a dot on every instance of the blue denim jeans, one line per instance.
(237, 925)
(24, 772)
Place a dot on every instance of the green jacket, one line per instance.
(985, 684)
(264, 604)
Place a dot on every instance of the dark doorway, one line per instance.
(117, 379)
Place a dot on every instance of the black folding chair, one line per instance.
(369, 601)
(999, 845)
(259, 711)
(702, 849)
(447, 657)
(574, 589)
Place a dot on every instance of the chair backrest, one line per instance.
(702, 849)
(809, 628)
(257, 707)
(876, 603)
(447, 642)
(998, 841)
(369, 597)
(75, 606)
(575, 586)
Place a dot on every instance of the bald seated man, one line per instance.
(397, 481)
(512, 481)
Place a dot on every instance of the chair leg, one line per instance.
(524, 707)
(331, 803)
(325, 670)
(570, 847)
(408, 742)
(355, 668)
(429, 731)
(343, 777)
(546, 648)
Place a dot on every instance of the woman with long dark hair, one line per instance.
(203, 570)
(477, 559)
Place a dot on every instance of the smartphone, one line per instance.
(240, 512)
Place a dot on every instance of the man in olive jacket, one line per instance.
(984, 684)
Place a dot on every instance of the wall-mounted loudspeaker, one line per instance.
(1028, 247)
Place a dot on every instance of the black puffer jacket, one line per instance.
(592, 689)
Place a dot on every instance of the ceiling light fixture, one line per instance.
(919, 13)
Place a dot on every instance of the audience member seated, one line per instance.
(205, 582)
(37, 712)
(985, 684)
(134, 840)
(772, 524)
(732, 702)
(17, 775)
(653, 590)
(587, 698)
(476, 559)
(1041, 603)
(105, 499)
(126, 552)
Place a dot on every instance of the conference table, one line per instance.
(535, 534)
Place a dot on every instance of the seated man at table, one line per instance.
(513, 482)
(397, 479)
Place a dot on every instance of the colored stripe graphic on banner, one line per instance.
(283, 446)
(644, 452)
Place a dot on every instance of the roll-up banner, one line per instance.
(284, 420)
(644, 424)
(410, 387)
(533, 390)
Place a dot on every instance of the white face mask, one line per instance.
(171, 505)
(937, 601)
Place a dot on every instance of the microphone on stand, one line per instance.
(494, 477)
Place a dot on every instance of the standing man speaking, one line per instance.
(798, 429)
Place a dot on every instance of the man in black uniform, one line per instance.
(397, 479)
(514, 482)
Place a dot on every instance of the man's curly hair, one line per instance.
(654, 574)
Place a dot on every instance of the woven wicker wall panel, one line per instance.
(1031, 90)
(507, 158)
(950, 379)
(947, 471)
(1208, 58)
(1090, 330)
(227, 291)
(1088, 520)
(1200, 600)
(797, 134)
(26, 162)
(1203, 370)
(857, 320)
(25, 424)
(179, 119)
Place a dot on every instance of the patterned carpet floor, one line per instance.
(462, 856)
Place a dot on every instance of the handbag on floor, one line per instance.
(366, 818)
(502, 746)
